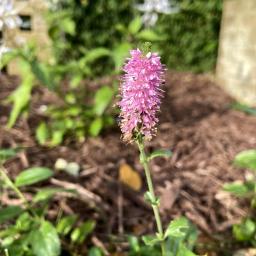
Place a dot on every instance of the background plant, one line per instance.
(27, 232)
(246, 230)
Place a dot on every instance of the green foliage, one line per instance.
(192, 35)
(180, 238)
(32, 176)
(27, 232)
(246, 159)
(246, 230)
(160, 153)
(244, 108)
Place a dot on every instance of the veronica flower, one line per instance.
(140, 95)
(8, 15)
(151, 9)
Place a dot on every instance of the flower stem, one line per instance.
(144, 161)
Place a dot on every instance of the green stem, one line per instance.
(145, 163)
(9, 183)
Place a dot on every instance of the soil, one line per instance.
(196, 123)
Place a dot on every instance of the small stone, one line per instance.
(60, 164)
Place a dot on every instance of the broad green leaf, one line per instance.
(135, 25)
(119, 54)
(238, 189)
(102, 99)
(245, 230)
(45, 240)
(95, 54)
(57, 137)
(6, 153)
(65, 225)
(246, 159)
(177, 228)
(21, 96)
(160, 153)
(42, 133)
(151, 240)
(24, 222)
(42, 74)
(68, 26)
(95, 251)
(33, 175)
(9, 213)
(96, 127)
(80, 233)
(183, 251)
(48, 193)
(149, 35)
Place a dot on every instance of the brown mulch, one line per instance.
(196, 123)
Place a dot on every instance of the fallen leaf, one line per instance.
(130, 177)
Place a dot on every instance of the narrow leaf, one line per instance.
(33, 175)
(102, 99)
(96, 127)
(160, 153)
(135, 25)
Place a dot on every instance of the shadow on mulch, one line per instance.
(196, 123)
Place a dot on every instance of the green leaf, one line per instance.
(183, 251)
(68, 26)
(24, 222)
(151, 240)
(80, 233)
(45, 240)
(42, 133)
(237, 189)
(177, 228)
(95, 251)
(57, 137)
(102, 99)
(95, 54)
(33, 175)
(66, 224)
(9, 213)
(244, 231)
(42, 74)
(6, 153)
(47, 193)
(160, 153)
(135, 25)
(246, 159)
(242, 107)
(149, 35)
(119, 54)
(21, 96)
(96, 127)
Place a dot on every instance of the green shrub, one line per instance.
(192, 35)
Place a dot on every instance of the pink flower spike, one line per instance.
(141, 94)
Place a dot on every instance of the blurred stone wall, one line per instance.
(236, 65)
(35, 10)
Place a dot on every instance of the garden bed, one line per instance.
(196, 123)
